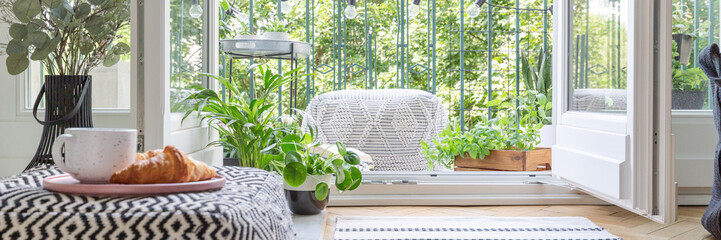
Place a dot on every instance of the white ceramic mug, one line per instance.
(92, 155)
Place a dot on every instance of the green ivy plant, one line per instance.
(300, 162)
(248, 128)
(69, 37)
(519, 129)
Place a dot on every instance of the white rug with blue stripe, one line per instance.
(497, 228)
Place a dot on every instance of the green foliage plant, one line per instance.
(273, 25)
(518, 130)
(537, 76)
(299, 161)
(248, 128)
(69, 37)
(686, 79)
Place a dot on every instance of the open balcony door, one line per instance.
(613, 137)
(157, 125)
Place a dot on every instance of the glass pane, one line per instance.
(111, 85)
(598, 74)
(186, 50)
(694, 26)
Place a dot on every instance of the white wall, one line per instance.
(695, 140)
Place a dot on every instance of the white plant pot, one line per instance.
(310, 183)
(248, 37)
(277, 36)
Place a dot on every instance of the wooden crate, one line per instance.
(538, 159)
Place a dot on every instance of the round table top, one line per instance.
(265, 48)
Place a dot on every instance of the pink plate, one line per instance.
(67, 184)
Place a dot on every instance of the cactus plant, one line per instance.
(69, 37)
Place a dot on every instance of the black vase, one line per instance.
(67, 105)
(304, 202)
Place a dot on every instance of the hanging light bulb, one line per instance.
(414, 9)
(475, 9)
(195, 10)
(350, 10)
(285, 6)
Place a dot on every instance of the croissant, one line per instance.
(169, 165)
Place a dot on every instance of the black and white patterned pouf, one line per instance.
(251, 205)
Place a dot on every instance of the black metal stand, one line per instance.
(67, 105)
(291, 56)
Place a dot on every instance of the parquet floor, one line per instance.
(616, 220)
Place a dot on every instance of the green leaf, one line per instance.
(94, 24)
(341, 148)
(36, 38)
(352, 158)
(293, 156)
(294, 174)
(52, 3)
(87, 47)
(17, 64)
(357, 177)
(96, 2)
(122, 48)
(18, 31)
(111, 60)
(82, 11)
(25, 10)
(321, 191)
(346, 182)
(290, 143)
(15, 47)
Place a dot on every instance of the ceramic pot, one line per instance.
(248, 37)
(684, 45)
(277, 36)
(302, 200)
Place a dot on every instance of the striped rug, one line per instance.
(497, 228)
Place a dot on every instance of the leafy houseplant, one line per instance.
(247, 127)
(538, 76)
(308, 168)
(274, 29)
(516, 131)
(689, 86)
(682, 32)
(70, 38)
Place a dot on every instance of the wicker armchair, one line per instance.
(387, 124)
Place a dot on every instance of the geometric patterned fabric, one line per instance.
(387, 124)
(251, 205)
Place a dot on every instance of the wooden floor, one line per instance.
(616, 220)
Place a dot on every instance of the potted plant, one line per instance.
(689, 86)
(680, 33)
(70, 38)
(508, 142)
(538, 76)
(308, 168)
(248, 128)
(275, 29)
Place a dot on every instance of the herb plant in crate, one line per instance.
(508, 142)
(70, 38)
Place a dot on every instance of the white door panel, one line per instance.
(613, 139)
(158, 126)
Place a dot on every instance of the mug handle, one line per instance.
(58, 152)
